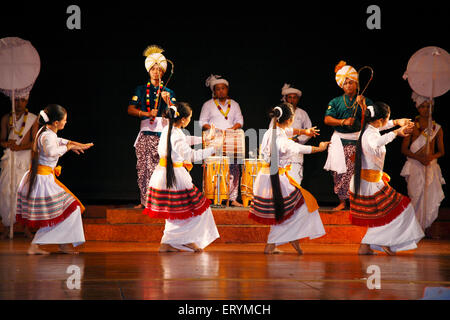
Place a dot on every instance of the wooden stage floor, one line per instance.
(125, 270)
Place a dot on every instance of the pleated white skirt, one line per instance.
(201, 230)
(69, 230)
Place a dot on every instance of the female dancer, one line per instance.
(373, 202)
(42, 200)
(171, 194)
(279, 200)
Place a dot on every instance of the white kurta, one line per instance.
(211, 115)
(69, 230)
(22, 163)
(200, 229)
(417, 175)
(302, 223)
(403, 232)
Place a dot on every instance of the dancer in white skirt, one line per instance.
(389, 216)
(171, 195)
(42, 200)
(278, 199)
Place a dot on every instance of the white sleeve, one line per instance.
(193, 140)
(204, 115)
(389, 125)
(377, 141)
(288, 146)
(238, 118)
(51, 146)
(181, 146)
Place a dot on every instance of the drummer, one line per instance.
(224, 113)
(301, 121)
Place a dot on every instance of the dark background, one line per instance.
(257, 47)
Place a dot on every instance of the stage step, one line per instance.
(128, 224)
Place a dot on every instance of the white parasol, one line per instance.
(428, 74)
(19, 67)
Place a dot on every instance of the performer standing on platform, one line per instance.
(422, 170)
(19, 140)
(301, 121)
(149, 102)
(224, 113)
(345, 116)
(171, 194)
(279, 200)
(389, 216)
(42, 200)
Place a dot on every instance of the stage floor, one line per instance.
(131, 270)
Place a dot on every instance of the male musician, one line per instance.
(344, 114)
(224, 113)
(149, 103)
(16, 139)
(301, 121)
(421, 170)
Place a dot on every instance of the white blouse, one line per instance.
(211, 115)
(288, 150)
(181, 147)
(50, 148)
(374, 147)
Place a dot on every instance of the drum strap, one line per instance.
(310, 201)
(187, 165)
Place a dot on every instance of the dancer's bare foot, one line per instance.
(234, 203)
(193, 246)
(34, 249)
(296, 246)
(364, 249)
(271, 248)
(165, 247)
(388, 251)
(67, 249)
(340, 206)
(139, 206)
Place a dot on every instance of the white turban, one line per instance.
(344, 71)
(287, 89)
(418, 99)
(215, 79)
(154, 56)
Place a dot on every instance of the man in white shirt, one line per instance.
(224, 113)
(301, 121)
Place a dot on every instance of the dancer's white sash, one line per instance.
(336, 157)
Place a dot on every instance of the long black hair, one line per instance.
(381, 111)
(54, 113)
(183, 111)
(277, 117)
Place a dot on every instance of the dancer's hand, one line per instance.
(402, 122)
(312, 132)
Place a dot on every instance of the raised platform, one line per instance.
(104, 223)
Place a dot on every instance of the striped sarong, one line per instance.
(263, 210)
(175, 204)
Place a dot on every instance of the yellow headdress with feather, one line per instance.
(154, 56)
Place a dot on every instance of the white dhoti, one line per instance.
(22, 164)
(426, 202)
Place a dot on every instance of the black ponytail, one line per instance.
(381, 111)
(183, 111)
(54, 113)
(277, 117)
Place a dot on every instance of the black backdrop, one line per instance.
(257, 47)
